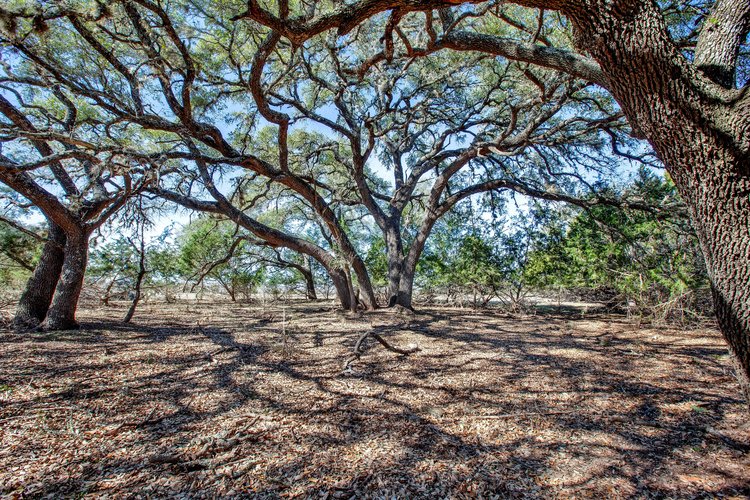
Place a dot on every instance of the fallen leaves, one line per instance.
(491, 406)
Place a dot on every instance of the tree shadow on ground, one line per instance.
(510, 405)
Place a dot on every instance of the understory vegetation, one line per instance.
(483, 254)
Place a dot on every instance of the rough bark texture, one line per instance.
(61, 315)
(720, 39)
(37, 297)
(703, 141)
(368, 300)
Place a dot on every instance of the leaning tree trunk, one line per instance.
(701, 137)
(343, 287)
(715, 183)
(725, 239)
(61, 315)
(368, 299)
(37, 297)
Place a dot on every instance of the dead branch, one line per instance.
(374, 334)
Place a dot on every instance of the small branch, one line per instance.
(22, 229)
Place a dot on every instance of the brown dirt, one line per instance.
(206, 400)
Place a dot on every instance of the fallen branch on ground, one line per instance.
(372, 333)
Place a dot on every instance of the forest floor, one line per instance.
(247, 400)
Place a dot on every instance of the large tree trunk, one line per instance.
(719, 200)
(401, 268)
(401, 271)
(700, 135)
(61, 315)
(411, 259)
(343, 287)
(403, 296)
(37, 297)
(368, 299)
(309, 281)
(394, 252)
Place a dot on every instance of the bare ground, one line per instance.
(207, 400)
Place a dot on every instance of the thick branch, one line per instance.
(549, 57)
(345, 18)
(724, 31)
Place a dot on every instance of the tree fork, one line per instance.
(37, 296)
(61, 315)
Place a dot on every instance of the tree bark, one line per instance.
(717, 194)
(401, 273)
(405, 290)
(344, 289)
(37, 297)
(394, 251)
(61, 315)
(368, 299)
(309, 283)
(353, 298)
(703, 141)
(720, 39)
